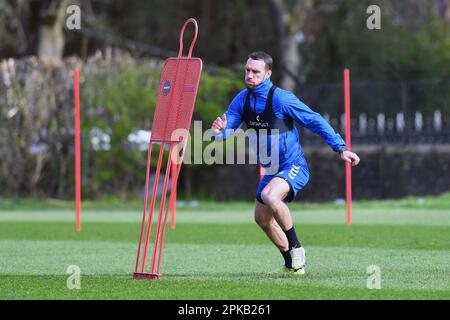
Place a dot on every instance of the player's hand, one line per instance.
(219, 124)
(351, 157)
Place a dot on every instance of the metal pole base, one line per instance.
(142, 276)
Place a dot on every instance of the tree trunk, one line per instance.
(289, 22)
(291, 62)
(51, 31)
(444, 6)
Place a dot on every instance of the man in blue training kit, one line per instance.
(271, 111)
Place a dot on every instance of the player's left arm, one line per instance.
(305, 117)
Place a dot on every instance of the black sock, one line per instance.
(292, 238)
(287, 259)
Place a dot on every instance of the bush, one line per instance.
(118, 97)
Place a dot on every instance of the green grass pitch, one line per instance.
(218, 252)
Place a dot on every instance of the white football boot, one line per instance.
(298, 257)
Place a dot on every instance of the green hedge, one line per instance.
(118, 97)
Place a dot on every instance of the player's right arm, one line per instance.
(219, 124)
(226, 124)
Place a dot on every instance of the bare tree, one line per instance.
(51, 32)
(14, 14)
(290, 17)
(444, 9)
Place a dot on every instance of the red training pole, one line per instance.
(76, 97)
(348, 165)
(161, 211)
(152, 207)
(261, 172)
(147, 178)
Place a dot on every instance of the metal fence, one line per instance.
(385, 112)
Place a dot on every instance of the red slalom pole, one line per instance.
(76, 97)
(348, 165)
(261, 172)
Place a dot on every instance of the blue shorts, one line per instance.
(295, 174)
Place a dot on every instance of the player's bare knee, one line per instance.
(270, 199)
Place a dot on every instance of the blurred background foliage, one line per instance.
(118, 99)
(329, 34)
(120, 49)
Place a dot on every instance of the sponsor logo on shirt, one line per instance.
(259, 124)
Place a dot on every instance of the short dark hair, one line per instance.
(261, 55)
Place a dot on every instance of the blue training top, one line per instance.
(285, 106)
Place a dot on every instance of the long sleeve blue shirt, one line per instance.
(285, 105)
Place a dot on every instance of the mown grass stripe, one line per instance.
(376, 236)
(365, 216)
(195, 271)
